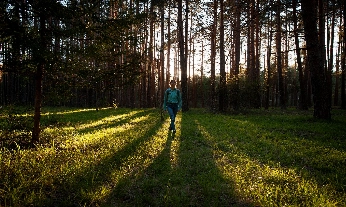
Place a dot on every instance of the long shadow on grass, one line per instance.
(183, 174)
(302, 144)
(77, 118)
(117, 121)
(261, 139)
(61, 116)
(74, 191)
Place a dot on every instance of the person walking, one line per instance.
(172, 103)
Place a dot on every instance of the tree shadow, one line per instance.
(281, 145)
(292, 146)
(97, 174)
(183, 174)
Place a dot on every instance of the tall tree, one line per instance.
(237, 32)
(303, 85)
(168, 73)
(343, 62)
(183, 61)
(213, 57)
(184, 80)
(315, 60)
(39, 74)
(222, 87)
(330, 38)
(279, 56)
(268, 80)
(151, 67)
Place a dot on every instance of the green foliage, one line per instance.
(81, 46)
(127, 157)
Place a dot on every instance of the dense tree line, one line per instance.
(227, 55)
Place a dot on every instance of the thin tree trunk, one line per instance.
(168, 72)
(212, 57)
(184, 80)
(337, 70)
(343, 64)
(38, 85)
(222, 90)
(194, 83)
(162, 64)
(279, 57)
(202, 74)
(331, 56)
(258, 56)
(151, 68)
(237, 45)
(270, 36)
(183, 60)
(182, 56)
(303, 85)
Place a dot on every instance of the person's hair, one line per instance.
(172, 81)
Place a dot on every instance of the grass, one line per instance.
(126, 157)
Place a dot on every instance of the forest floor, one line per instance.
(127, 157)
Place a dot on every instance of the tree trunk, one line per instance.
(162, 58)
(222, 90)
(303, 85)
(331, 56)
(337, 70)
(168, 72)
(212, 58)
(257, 90)
(315, 61)
(237, 31)
(151, 67)
(182, 56)
(202, 74)
(39, 78)
(343, 64)
(184, 83)
(269, 48)
(279, 57)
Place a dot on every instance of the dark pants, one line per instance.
(172, 111)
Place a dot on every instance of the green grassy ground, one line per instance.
(127, 157)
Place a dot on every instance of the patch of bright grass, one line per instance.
(127, 157)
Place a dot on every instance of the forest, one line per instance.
(82, 85)
(226, 55)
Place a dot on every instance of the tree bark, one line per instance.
(303, 85)
(182, 56)
(343, 64)
(212, 58)
(331, 56)
(279, 57)
(168, 73)
(222, 90)
(269, 48)
(320, 88)
(39, 77)
(151, 67)
(237, 31)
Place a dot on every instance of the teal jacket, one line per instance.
(172, 96)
